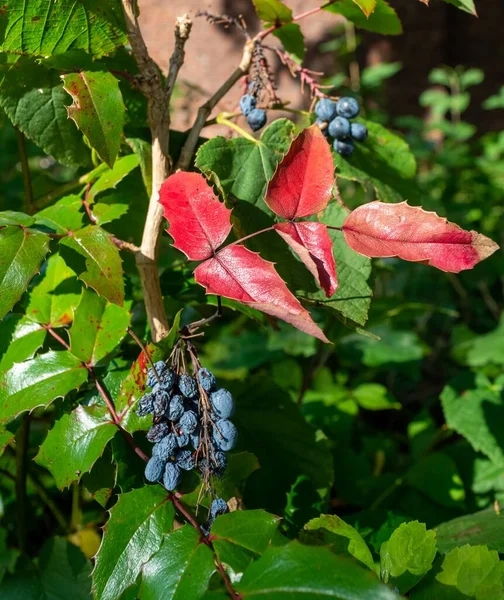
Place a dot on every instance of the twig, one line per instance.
(25, 169)
(145, 353)
(86, 205)
(262, 34)
(122, 245)
(182, 30)
(21, 464)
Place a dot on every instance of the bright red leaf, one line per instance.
(411, 233)
(313, 245)
(303, 181)
(199, 222)
(240, 274)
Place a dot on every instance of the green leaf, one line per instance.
(22, 339)
(383, 20)
(484, 527)
(61, 568)
(367, 6)
(91, 253)
(338, 529)
(21, 254)
(34, 27)
(55, 294)
(38, 382)
(384, 161)
(374, 396)
(102, 479)
(143, 150)
(487, 349)
(272, 11)
(410, 550)
(437, 476)
(474, 412)
(63, 216)
(473, 572)
(98, 110)
(133, 534)
(35, 101)
(11, 217)
(98, 328)
(6, 438)
(352, 299)
(180, 570)
(75, 443)
(295, 572)
(112, 176)
(292, 40)
(241, 168)
(465, 5)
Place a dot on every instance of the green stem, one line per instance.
(221, 120)
(21, 464)
(76, 518)
(25, 169)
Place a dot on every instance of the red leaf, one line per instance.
(199, 222)
(312, 244)
(411, 233)
(240, 274)
(303, 181)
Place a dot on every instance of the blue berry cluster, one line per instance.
(256, 117)
(334, 120)
(191, 428)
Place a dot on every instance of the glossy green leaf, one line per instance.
(133, 534)
(367, 6)
(484, 527)
(21, 254)
(384, 161)
(61, 568)
(143, 150)
(272, 11)
(98, 328)
(34, 27)
(38, 382)
(106, 212)
(383, 20)
(22, 338)
(112, 176)
(411, 550)
(292, 40)
(11, 217)
(295, 572)
(180, 570)
(374, 396)
(35, 101)
(91, 253)
(241, 168)
(337, 528)
(63, 216)
(437, 476)
(465, 5)
(75, 443)
(54, 295)
(473, 409)
(6, 437)
(468, 572)
(98, 110)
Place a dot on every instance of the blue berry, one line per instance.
(218, 507)
(176, 408)
(151, 377)
(339, 128)
(160, 403)
(188, 422)
(204, 467)
(219, 463)
(344, 147)
(171, 477)
(145, 406)
(324, 130)
(256, 119)
(347, 107)
(359, 132)
(222, 403)
(182, 439)
(195, 439)
(188, 386)
(247, 104)
(185, 460)
(325, 109)
(206, 379)
(168, 380)
(157, 432)
(166, 447)
(154, 469)
(225, 435)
